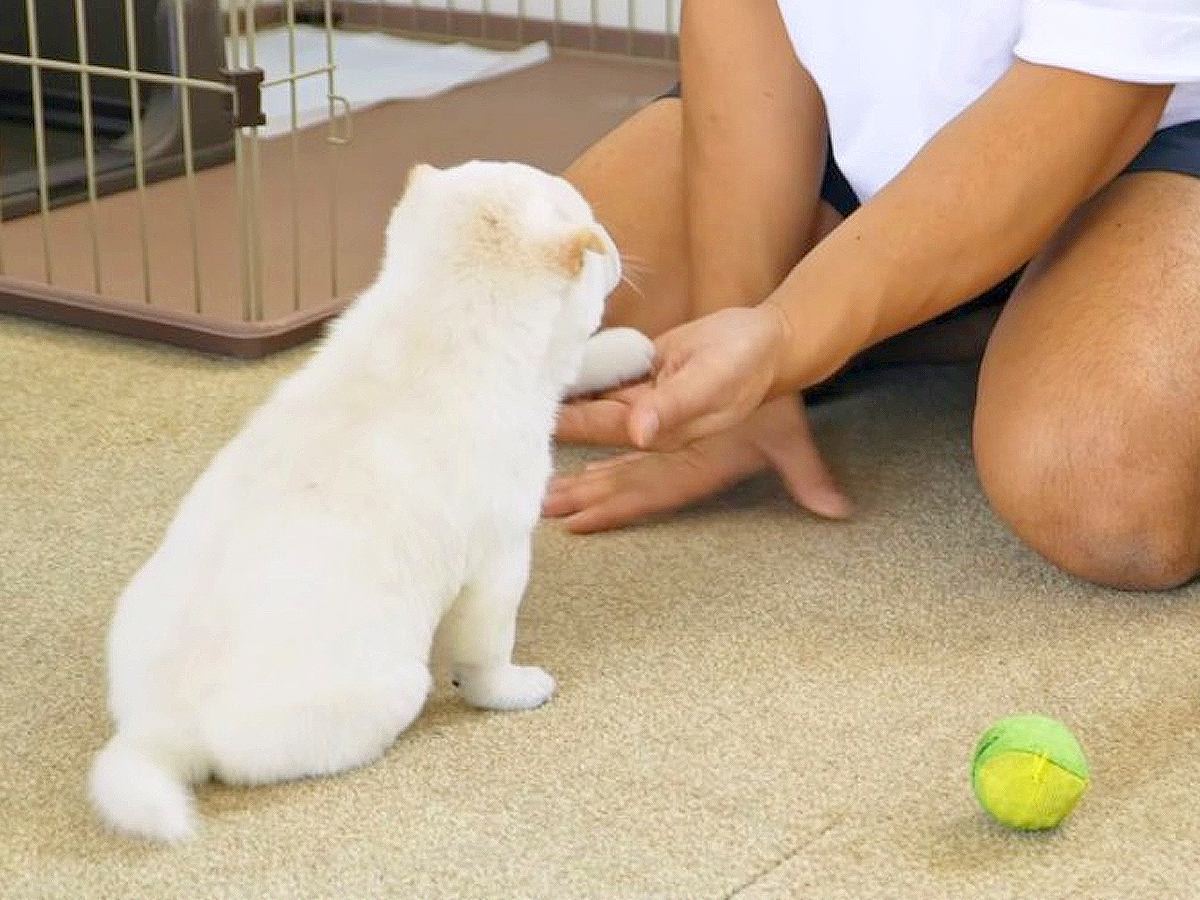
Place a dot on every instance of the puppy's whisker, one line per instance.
(633, 273)
(633, 262)
(633, 286)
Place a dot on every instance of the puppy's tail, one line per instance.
(139, 790)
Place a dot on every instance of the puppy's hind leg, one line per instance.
(321, 730)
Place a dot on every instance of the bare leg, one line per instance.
(633, 178)
(1086, 434)
(480, 630)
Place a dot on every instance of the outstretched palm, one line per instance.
(633, 486)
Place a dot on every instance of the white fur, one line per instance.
(612, 356)
(283, 628)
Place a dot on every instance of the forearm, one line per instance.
(754, 149)
(979, 200)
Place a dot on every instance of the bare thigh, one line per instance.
(633, 178)
(1087, 437)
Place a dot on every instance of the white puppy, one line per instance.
(283, 628)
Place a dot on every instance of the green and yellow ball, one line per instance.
(1029, 772)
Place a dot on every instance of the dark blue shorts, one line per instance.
(1173, 149)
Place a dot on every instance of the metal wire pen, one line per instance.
(170, 125)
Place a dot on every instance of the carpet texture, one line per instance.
(751, 703)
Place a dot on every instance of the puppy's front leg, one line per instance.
(480, 631)
(612, 356)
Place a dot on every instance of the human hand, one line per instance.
(709, 374)
(632, 486)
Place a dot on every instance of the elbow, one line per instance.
(1144, 105)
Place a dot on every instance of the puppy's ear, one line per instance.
(567, 257)
(416, 173)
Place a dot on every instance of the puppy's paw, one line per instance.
(612, 356)
(506, 687)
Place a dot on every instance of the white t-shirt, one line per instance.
(893, 72)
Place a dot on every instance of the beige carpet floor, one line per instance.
(751, 703)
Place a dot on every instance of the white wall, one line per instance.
(646, 15)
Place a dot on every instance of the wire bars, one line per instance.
(130, 94)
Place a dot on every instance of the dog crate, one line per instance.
(140, 193)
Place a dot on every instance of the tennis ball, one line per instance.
(1028, 772)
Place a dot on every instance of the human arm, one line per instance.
(978, 200)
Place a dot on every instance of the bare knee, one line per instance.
(1100, 505)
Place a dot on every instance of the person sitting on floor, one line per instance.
(845, 184)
